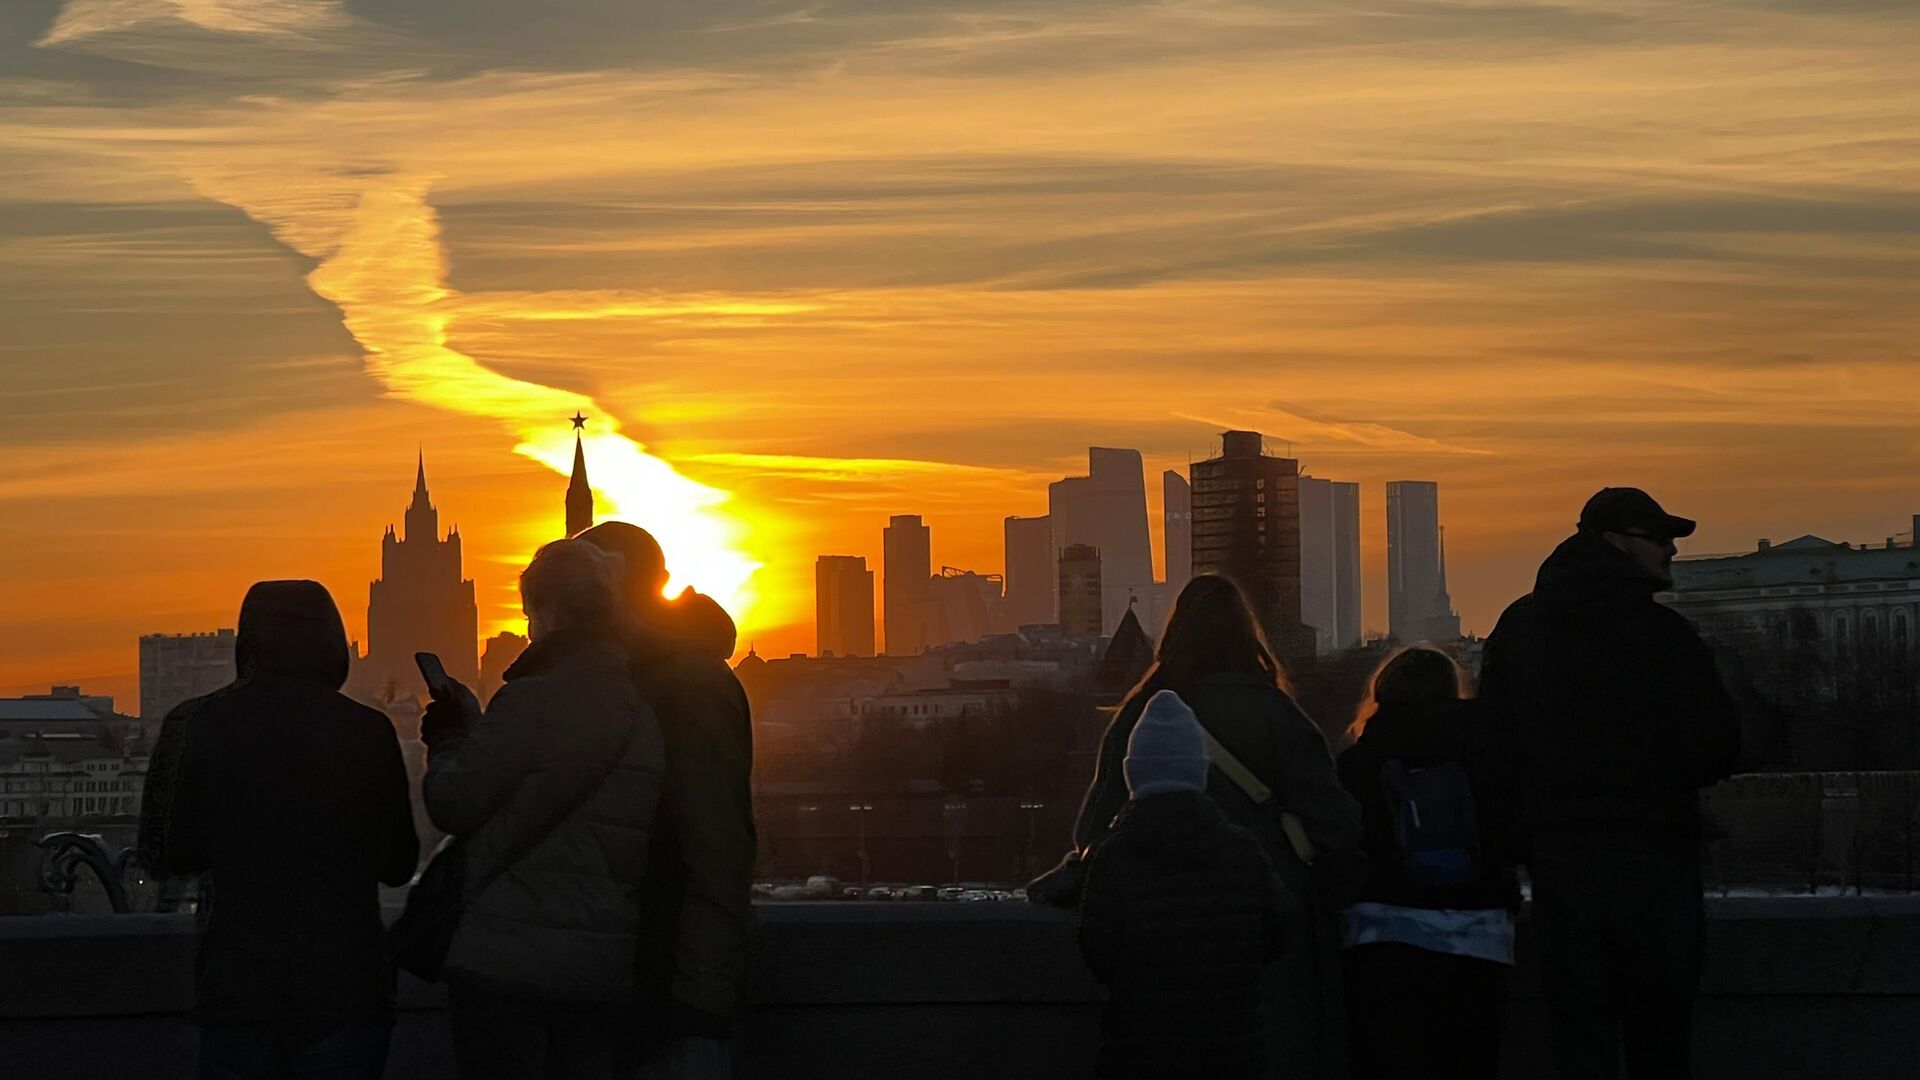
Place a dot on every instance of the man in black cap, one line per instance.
(1611, 717)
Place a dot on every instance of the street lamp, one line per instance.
(1030, 806)
(861, 810)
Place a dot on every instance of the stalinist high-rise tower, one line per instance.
(420, 604)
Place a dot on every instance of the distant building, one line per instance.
(1348, 594)
(1418, 607)
(176, 667)
(420, 604)
(842, 606)
(966, 605)
(1246, 526)
(906, 566)
(1176, 500)
(1080, 591)
(1330, 562)
(501, 651)
(1107, 510)
(1827, 635)
(66, 714)
(1129, 654)
(1319, 604)
(1031, 574)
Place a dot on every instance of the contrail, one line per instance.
(388, 277)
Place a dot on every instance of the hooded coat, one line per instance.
(295, 798)
(1424, 736)
(567, 736)
(697, 892)
(1180, 914)
(1607, 710)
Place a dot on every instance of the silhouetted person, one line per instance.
(1612, 717)
(1430, 942)
(1179, 915)
(554, 791)
(295, 799)
(697, 894)
(1213, 655)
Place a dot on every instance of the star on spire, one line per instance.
(579, 421)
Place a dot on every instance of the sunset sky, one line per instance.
(807, 264)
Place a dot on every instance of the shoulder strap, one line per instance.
(532, 839)
(1236, 770)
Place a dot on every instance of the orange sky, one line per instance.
(811, 264)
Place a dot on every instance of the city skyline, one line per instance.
(251, 263)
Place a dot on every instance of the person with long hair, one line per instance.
(1430, 943)
(1213, 654)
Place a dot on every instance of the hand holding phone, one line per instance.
(439, 683)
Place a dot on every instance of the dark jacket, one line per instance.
(1180, 914)
(164, 764)
(1424, 737)
(562, 922)
(697, 892)
(1263, 727)
(1607, 708)
(295, 797)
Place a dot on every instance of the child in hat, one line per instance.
(1179, 914)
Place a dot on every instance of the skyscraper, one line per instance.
(843, 606)
(1418, 607)
(1347, 593)
(420, 603)
(1246, 526)
(1031, 576)
(1080, 591)
(579, 492)
(1330, 562)
(1319, 600)
(1176, 497)
(907, 566)
(175, 667)
(1107, 509)
(964, 605)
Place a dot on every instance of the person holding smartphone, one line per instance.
(553, 790)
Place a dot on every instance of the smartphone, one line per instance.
(439, 683)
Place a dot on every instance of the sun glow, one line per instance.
(388, 277)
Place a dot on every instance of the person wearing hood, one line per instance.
(294, 798)
(1430, 942)
(697, 892)
(1180, 914)
(1610, 716)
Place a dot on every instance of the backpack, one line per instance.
(1436, 826)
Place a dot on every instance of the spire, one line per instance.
(423, 522)
(579, 492)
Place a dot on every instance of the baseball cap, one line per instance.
(1629, 510)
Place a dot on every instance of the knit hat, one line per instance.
(1167, 751)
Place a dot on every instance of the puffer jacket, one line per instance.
(696, 899)
(1607, 709)
(1260, 724)
(561, 923)
(1180, 914)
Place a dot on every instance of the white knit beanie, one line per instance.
(1167, 751)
